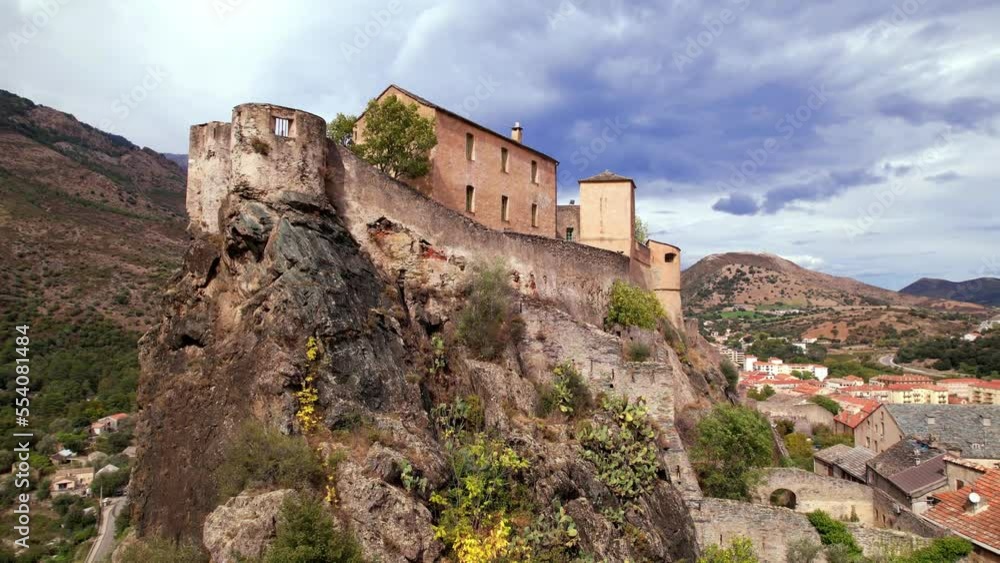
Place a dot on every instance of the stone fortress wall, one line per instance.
(247, 155)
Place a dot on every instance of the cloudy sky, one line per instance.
(857, 137)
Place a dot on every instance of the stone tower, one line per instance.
(665, 277)
(607, 212)
(266, 150)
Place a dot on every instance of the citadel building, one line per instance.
(495, 181)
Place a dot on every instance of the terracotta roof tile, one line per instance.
(982, 528)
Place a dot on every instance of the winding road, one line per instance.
(105, 542)
(890, 360)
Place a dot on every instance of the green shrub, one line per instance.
(731, 374)
(833, 532)
(306, 534)
(941, 550)
(800, 451)
(621, 443)
(488, 322)
(740, 550)
(638, 352)
(731, 444)
(459, 419)
(569, 394)
(826, 402)
(802, 550)
(259, 456)
(632, 306)
(764, 394)
(159, 550)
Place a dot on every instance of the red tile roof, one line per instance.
(982, 528)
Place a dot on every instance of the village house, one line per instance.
(494, 179)
(905, 379)
(843, 462)
(778, 366)
(904, 477)
(966, 431)
(972, 511)
(74, 481)
(909, 394)
(107, 424)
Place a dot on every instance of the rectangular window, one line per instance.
(534, 214)
(470, 199)
(470, 147)
(503, 160)
(504, 209)
(569, 233)
(534, 172)
(282, 126)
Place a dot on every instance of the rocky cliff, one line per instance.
(376, 308)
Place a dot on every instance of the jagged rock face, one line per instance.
(232, 348)
(233, 342)
(244, 526)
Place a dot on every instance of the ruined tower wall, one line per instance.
(208, 173)
(250, 156)
(665, 279)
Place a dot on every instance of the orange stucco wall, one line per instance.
(451, 173)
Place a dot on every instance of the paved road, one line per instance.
(105, 541)
(890, 360)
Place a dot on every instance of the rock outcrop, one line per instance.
(244, 526)
(280, 268)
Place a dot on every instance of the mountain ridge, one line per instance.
(749, 278)
(95, 223)
(981, 291)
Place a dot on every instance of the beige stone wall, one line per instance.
(208, 174)
(771, 529)
(607, 215)
(577, 278)
(568, 217)
(839, 498)
(878, 542)
(451, 172)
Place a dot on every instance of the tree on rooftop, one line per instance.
(341, 129)
(397, 140)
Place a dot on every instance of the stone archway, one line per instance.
(784, 498)
(804, 491)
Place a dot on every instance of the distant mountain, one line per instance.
(92, 224)
(180, 159)
(982, 291)
(742, 278)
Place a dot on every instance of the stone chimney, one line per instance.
(976, 504)
(517, 132)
